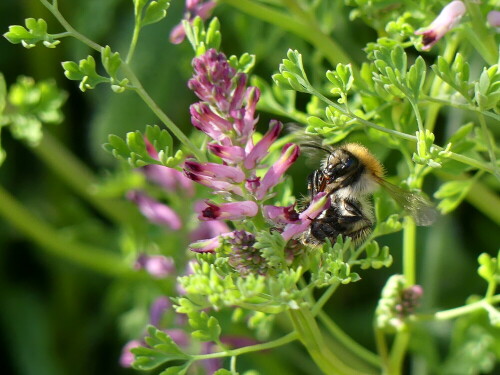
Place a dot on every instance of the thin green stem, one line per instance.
(49, 239)
(398, 352)
(457, 311)
(347, 341)
(133, 42)
(466, 107)
(490, 143)
(161, 115)
(420, 123)
(55, 11)
(324, 298)
(409, 251)
(382, 348)
(61, 35)
(251, 348)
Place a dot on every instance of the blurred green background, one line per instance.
(59, 318)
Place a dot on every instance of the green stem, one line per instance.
(490, 143)
(348, 342)
(324, 298)
(312, 339)
(161, 115)
(466, 107)
(398, 352)
(55, 11)
(133, 42)
(48, 239)
(485, 200)
(409, 251)
(79, 178)
(135, 82)
(307, 31)
(382, 349)
(249, 349)
(458, 311)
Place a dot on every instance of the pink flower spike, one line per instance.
(319, 203)
(289, 154)
(127, 358)
(155, 211)
(260, 150)
(158, 266)
(230, 154)
(444, 22)
(227, 211)
(205, 246)
(494, 18)
(281, 215)
(218, 172)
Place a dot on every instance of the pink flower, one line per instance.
(289, 154)
(444, 22)
(127, 358)
(218, 172)
(227, 211)
(158, 266)
(206, 246)
(319, 203)
(194, 8)
(155, 211)
(230, 154)
(281, 215)
(260, 150)
(159, 307)
(494, 18)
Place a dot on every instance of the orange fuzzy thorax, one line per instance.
(366, 158)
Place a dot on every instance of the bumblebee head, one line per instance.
(352, 168)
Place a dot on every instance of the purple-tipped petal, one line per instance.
(154, 211)
(127, 358)
(281, 215)
(205, 246)
(261, 149)
(239, 91)
(227, 211)
(214, 184)
(444, 22)
(177, 35)
(205, 10)
(218, 172)
(230, 154)
(319, 203)
(159, 307)
(252, 184)
(158, 266)
(289, 154)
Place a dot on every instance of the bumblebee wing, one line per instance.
(419, 207)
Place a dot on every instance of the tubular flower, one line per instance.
(319, 203)
(158, 266)
(194, 8)
(127, 358)
(281, 215)
(227, 211)
(444, 22)
(289, 154)
(155, 211)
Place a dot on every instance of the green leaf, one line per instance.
(155, 12)
(176, 370)
(35, 31)
(244, 64)
(416, 77)
(292, 74)
(206, 327)
(201, 39)
(489, 268)
(134, 150)
(223, 371)
(452, 193)
(456, 75)
(162, 349)
(85, 72)
(111, 61)
(342, 79)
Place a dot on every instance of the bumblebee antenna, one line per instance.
(312, 145)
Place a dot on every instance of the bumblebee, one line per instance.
(350, 174)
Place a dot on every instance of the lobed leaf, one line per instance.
(35, 31)
(84, 71)
(206, 327)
